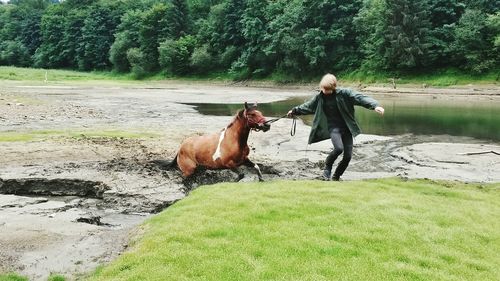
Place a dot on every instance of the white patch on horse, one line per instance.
(217, 151)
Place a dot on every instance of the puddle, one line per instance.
(423, 115)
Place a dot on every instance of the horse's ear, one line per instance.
(253, 106)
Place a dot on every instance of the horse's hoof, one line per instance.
(261, 179)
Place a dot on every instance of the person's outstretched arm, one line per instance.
(366, 102)
(380, 110)
(309, 107)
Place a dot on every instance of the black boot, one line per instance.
(327, 174)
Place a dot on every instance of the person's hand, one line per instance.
(290, 113)
(380, 110)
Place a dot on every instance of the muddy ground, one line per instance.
(69, 201)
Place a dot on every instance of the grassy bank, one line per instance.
(309, 230)
(53, 75)
(15, 277)
(11, 136)
(446, 77)
(12, 277)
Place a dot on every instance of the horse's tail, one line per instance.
(174, 164)
(167, 165)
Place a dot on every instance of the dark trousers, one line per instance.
(342, 143)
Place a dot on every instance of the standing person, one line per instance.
(333, 110)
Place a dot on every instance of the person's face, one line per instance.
(326, 91)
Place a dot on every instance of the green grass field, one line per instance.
(445, 77)
(386, 229)
(15, 277)
(54, 75)
(10, 136)
(12, 277)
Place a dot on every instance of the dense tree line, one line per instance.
(251, 38)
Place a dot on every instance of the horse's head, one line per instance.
(255, 119)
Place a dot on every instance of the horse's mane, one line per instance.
(238, 115)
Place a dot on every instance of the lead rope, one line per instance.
(294, 126)
(293, 129)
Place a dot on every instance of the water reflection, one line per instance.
(417, 115)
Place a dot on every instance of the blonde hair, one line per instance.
(328, 82)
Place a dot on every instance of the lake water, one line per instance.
(420, 115)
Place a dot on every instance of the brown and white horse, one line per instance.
(227, 149)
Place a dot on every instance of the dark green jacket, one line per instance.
(346, 100)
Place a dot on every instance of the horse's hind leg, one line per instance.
(186, 164)
(251, 164)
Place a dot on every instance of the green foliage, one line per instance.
(30, 32)
(494, 23)
(178, 19)
(136, 59)
(253, 58)
(118, 52)
(285, 36)
(387, 229)
(487, 6)
(79, 4)
(9, 20)
(222, 30)
(444, 14)
(201, 8)
(175, 56)
(227, 57)
(72, 38)
(97, 37)
(371, 26)
(127, 38)
(154, 30)
(299, 39)
(168, 54)
(475, 41)
(408, 34)
(231, 23)
(51, 52)
(201, 60)
(14, 53)
(331, 25)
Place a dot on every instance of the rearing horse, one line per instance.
(227, 149)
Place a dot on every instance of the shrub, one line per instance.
(14, 53)
(137, 61)
(201, 60)
(175, 56)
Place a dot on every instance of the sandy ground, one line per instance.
(69, 203)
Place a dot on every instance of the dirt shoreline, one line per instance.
(45, 228)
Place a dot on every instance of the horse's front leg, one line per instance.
(250, 164)
(239, 172)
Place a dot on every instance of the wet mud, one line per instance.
(68, 204)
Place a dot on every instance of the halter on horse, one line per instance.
(227, 149)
